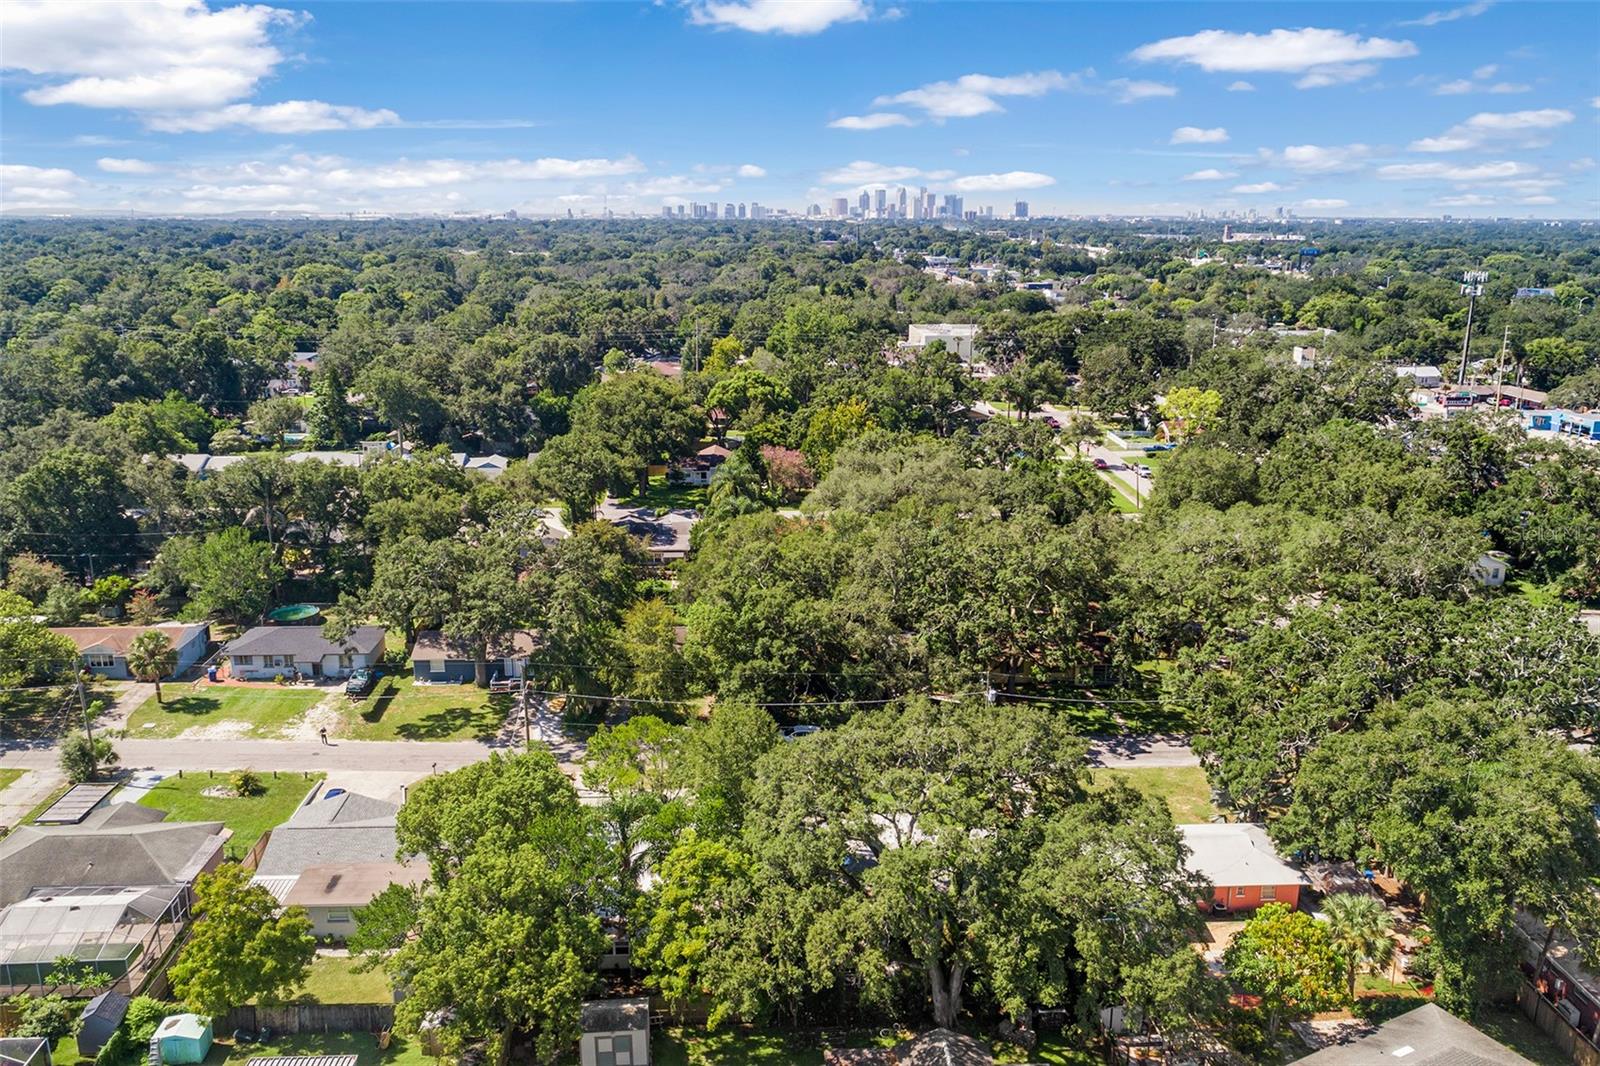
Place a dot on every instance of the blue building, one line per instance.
(1585, 424)
(444, 660)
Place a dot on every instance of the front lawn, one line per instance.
(1183, 789)
(8, 777)
(334, 979)
(402, 1051)
(251, 712)
(400, 709)
(684, 1046)
(665, 496)
(248, 816)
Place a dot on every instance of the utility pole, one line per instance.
(83, 706)
(527, 734)
(1499, 367)
(1472, 288)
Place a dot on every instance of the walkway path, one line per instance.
(27, 792)
(1142, 752)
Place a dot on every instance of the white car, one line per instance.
(794, 732)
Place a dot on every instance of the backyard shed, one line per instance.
(184, 1038)
(100, 1018)
(616, 1032)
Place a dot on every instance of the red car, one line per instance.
(1052, 421)
(1101, 464)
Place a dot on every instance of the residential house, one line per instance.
(444, 660)
(202, 466)
(699, 468)
(104, 649)
(334, 853)
(24, 1051)
(490, 466)
(1490, 569)
(616, 1032)
(267, 652)
(666, 535)
(1426, 1036)
(1241, 864)
(114, 889)
(1425, 377)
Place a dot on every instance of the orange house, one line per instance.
(1243, 867)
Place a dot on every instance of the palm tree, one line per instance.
(1361, 929)
(150, 656)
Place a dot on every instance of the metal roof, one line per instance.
(305, 1060)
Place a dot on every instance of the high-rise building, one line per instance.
(880, 197)
(666, 212)
(741, 210)
(952, 205)
(864, 203)
(1019, 209)
(902, 199)
(841, 207)
(727, 211)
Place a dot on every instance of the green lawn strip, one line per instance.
(65, 1052)
(265, 710)
(334, 979)
(247, 816)
(400, 709)
(664, 496)
(1507, 1025)
(692, 1047)
(1183, 789)
(8, 777)
(402, 1051)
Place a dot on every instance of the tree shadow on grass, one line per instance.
(191, 705)
(381, 700)
(483, 722)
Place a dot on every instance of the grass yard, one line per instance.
(8, 777)
(1507, 1025)
(401, 1051)
(400, 709)
(334, 979)
(264, 711)
(695, 1047)
(1182, 788)
(665, 496)
(247, 816)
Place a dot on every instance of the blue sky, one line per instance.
(1328, 109)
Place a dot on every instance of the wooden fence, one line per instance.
(310, 1018)
(1541, 1013)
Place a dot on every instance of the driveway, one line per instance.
(1142, 751)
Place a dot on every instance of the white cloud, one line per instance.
(1495, 171)
(974, 94)
(1319, 159)
(291, 116)
(1211, 174)
(1196, 135)
(1537, 200)
(1485, 72)
(1503, 87)
(1454, 88)
(793, 17)
(1594, 101)
(126, 166)
(1260, 186)
(877, 120)
(676, 185)
(1131, 90)
(1473, 199)
(1010, 181)
(38, 177)
(25, 187)
(177, 63)
(750, 170)
(1324, 205)
(1241, 87)
(1322, 57)
(1519, 126)
(1433, 18)
(862, 172)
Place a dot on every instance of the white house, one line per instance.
(265, 652)
(1427, 377)
(1490, 569)
(957, 337)
(616, 1032)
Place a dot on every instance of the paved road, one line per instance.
(1142, 752)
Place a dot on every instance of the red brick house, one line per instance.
(1242, 865)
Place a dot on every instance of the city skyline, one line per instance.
(1351, 110)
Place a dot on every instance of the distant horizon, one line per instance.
(1394, 110)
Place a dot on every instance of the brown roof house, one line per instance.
(104, 649)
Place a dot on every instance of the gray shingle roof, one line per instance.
(1427, 1036)
(120, 845)
(305, 642)
(348, 828)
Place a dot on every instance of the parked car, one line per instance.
(1154, 448)
(794, 732)
(1101, 464)
(1052, 421)
(361, 682)
(1142, 469)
